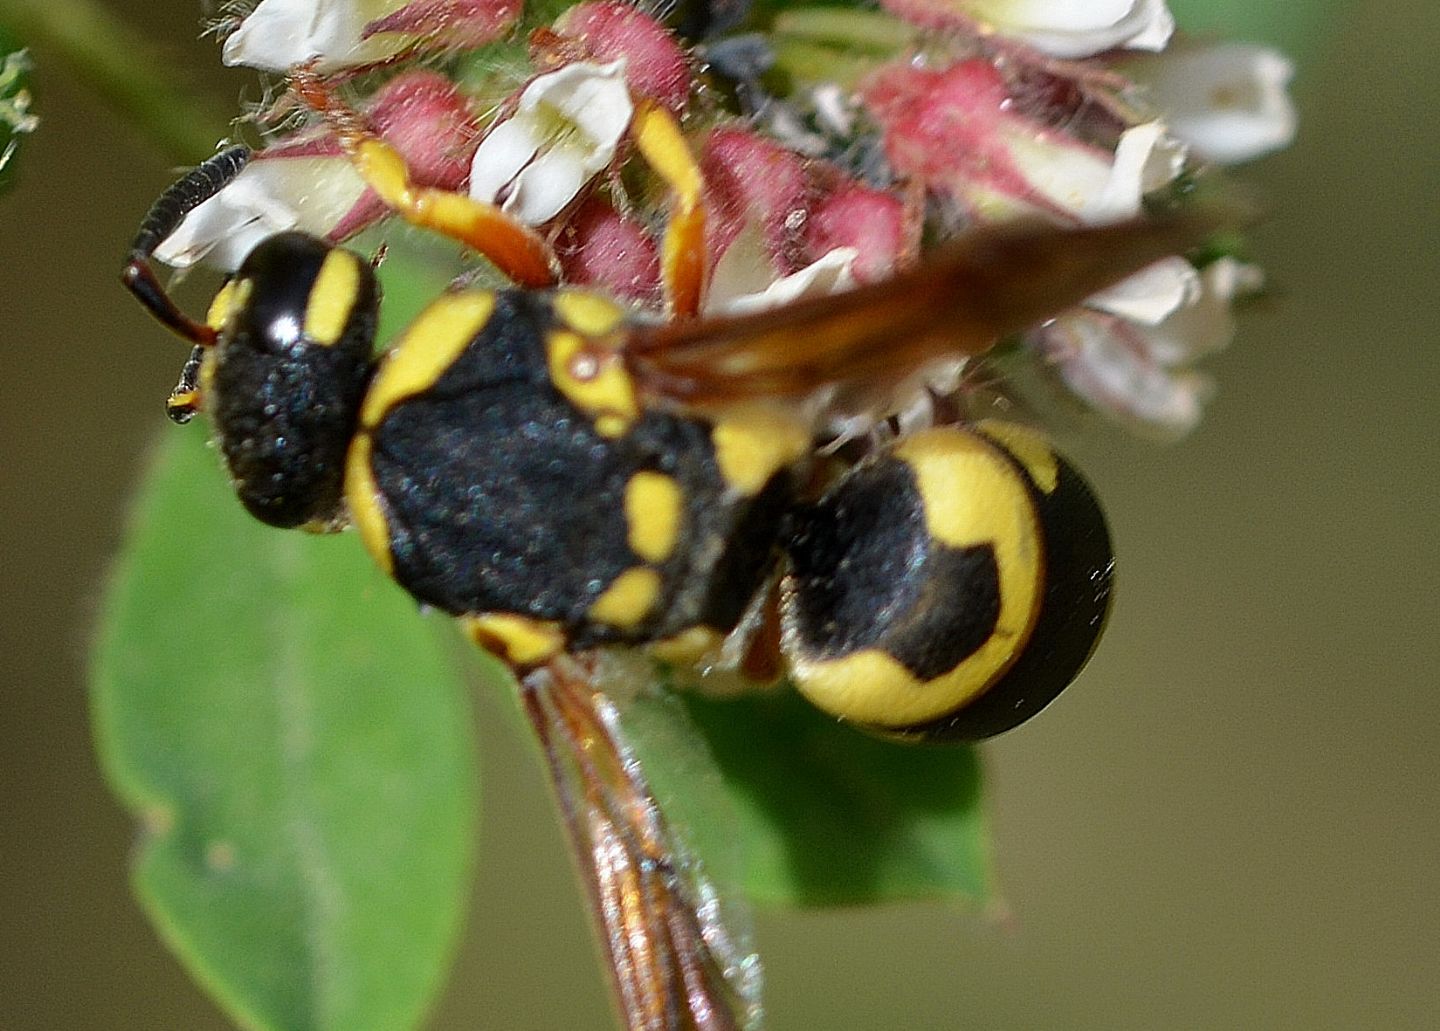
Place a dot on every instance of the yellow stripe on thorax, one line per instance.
(589, 372)
(430, 346)
(654, 507)
(628, 600)
(755, 440)
(520, 640)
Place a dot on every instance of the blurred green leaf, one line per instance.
(826, 815)
(1301, 30)
(16, 119)
(298, 750)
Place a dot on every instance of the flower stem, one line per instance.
(123, 66)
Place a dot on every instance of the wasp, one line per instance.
(566, 478)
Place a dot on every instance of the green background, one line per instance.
(1230, 821)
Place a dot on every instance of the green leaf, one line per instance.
(298, 751)
(1298, 29)
(826, 815)
(16, 119)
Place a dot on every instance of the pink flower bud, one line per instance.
(423, 116)
(602, 248)
(750, 179)
(944, 126)
(655, 64)
(457, 23)
(869, 220)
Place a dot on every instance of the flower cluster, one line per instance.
(835, 144)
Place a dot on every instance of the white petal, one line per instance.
(743, 269)
(1070, 175)
(1229, 102)
(281, 33)
(565, 129)
(592, 99)
(1110, 367)
(828, 274)
(1068, 16)
(1079, 28)
(547, 184)
(267, 197)
(508, 148)
(1145, 160)
(1152, 294)
(1206, 324)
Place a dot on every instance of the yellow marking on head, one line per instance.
(430, 346)
(593, 379)
(588, 314)
(229, 299)
(755, 440)
(1027, 447)
(628, 599)
(367, 510)
(332, 297)
(517, 639)
(690, 647)
(654, 508)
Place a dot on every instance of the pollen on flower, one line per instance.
(681, 164)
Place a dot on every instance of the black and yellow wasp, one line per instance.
(564, 477)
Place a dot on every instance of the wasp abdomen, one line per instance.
(923, 593)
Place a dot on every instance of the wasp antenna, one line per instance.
(165, 215)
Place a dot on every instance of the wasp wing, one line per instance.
(959, 301)
(677, 949)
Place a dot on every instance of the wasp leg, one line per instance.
(165, 216)
(516, 249)
(682, 255)
(184, 400)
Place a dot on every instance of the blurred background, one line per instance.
(1231, 821)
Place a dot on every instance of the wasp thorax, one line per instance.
(286, 377)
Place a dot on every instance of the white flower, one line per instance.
(1085, 183)
(1129, 352)
(1077, 28)
(829, 274)
(281, 33)
(1229, 102)
(564, 130)
(1152, 294)
(267, 197)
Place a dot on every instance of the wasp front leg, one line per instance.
(682, 254)
(184, 400)
(514, 248)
